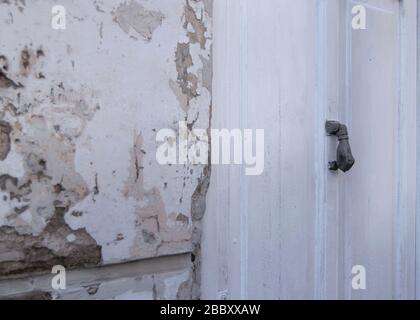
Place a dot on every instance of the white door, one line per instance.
(298, 230)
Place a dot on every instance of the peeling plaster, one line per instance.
(6, 82)
(27, 60)
(187, 81)
(33, 233)
(40, 199)
(186, 86)
(78, 140)
(194, 24)
(5, 130)
(136, 21)
(22, 254)
(134, 187)
(156, 233)
(198, 35)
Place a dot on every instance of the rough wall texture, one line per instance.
(79, 113)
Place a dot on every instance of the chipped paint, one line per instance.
(5, 130)
(23, 254)
(195, 19)
(187, 81)
(6, 82)
(39, 201)
(33, 232)
(27, 60)
(136, 21)
(185, 88)
(134, 187)
(79, 183)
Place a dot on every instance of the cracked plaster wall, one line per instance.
(79, 112)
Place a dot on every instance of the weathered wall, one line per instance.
(79, 111)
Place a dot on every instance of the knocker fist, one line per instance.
(345, 159)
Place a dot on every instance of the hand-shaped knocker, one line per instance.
(345, 160)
